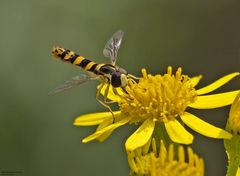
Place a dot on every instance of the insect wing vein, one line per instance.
(112, 46)
(75, 81)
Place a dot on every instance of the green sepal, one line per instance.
(232, 147)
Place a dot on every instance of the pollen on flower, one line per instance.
(165, 162)
(161, 97)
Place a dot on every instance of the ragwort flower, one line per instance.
(160, 161)
(161, 99)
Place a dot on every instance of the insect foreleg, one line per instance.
(133, 78)
(116, 92)
(105, 96)
(101, 102)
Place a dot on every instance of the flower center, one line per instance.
(161, 97)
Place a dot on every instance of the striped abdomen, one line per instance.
(71, 57)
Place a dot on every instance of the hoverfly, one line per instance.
(108, 74)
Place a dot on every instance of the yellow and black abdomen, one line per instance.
(73, 58)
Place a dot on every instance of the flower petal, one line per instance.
(203, 127)
(217, 83)
(93, 118)
(106, 134)
(214, 101)
(141, 136)
(106, 123)
(177, 132)
(111, 95)
(195, 80)
(111, 127)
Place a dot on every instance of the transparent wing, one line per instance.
(111, 48)
(75, 81)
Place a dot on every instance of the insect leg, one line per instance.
(133, 78)
(124, 90)
(101, 102)
(106, 93)
(106, 100)
(115, 91)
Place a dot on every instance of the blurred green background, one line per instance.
(36, 132)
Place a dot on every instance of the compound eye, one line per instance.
(116, 79)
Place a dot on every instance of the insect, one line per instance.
(108, 74)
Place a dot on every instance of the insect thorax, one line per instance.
(115, 76)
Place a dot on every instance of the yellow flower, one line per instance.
(150, 161)
(161, 99)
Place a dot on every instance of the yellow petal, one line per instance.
(203, 127)
(177, 132)
(217, 83)
(104, 124)
(141, 136)
(94, 118)
(111, 95)
(105, 135)
(214, 101)
(195, 80)
(111, 127)
(238, 172)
